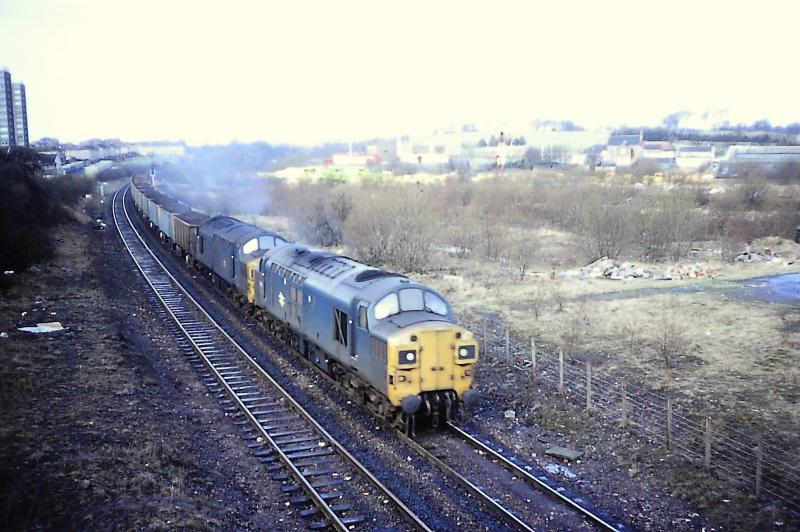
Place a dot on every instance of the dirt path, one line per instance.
(103, 425)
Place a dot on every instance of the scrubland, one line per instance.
(517, 245)
(645, 276)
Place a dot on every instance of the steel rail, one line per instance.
(169, 281)
(472, 440)
(501, 511)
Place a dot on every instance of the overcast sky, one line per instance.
(303, 72)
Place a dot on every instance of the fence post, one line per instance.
(707, 441)
(669, 423)
(759, 465)
(483, 337)
(561, 372)
(508, 348)
(624, 405)
(533, 357)
(589, 386)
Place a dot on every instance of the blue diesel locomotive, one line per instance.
(392, 344)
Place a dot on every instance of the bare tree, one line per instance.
(522, 252)
(394, 229)
(603, 224)
(671, 341)
(338, 209)
(666, 224)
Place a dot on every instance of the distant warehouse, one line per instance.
(742, 152)
(694, 157)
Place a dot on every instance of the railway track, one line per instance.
(320, 477)
(522, 500)
(515, 506)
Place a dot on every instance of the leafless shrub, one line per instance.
(645, 167)
(631, 340)
(730, 249)
(666, 224)
(787, 172)
(576, 326)
(522, 252)
(671, 342)
(319, 211)
(754, 193)
(603, 225)
(30, 206)
(701, 196)
(396, 229)
(338, 209)
(556, 292)
(537, 300)
(463, 236)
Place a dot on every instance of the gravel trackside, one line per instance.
(104, 424)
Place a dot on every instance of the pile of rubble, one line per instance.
(765, 255)
(677, 272)
(610, 269)
(606, 268)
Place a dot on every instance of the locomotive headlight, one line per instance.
(466, 352)
(408, 356)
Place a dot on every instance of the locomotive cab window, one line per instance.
(411, 299)
(435, 304)
(362, 317)
(387, 306)
(202, 247)
(250, 246)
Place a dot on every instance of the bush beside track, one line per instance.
(31, 206)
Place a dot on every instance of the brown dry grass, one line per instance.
(744, 355)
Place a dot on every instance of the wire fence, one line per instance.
(744, 459)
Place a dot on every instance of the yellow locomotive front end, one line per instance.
(430, 369)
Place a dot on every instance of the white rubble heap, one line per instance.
(606, 268)
(765, 255)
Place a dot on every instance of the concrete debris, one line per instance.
(755, 256)
(555, 469)
(677, 272)
(766, 254)
(563, 452)
(510, 415)
(606, 268)
(48, 327)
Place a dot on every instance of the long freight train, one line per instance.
(392, 343)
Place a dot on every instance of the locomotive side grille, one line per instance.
(378, 348)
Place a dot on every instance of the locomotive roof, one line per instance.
(312, 262)
(346, 279)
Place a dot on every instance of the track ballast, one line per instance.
(321, 478)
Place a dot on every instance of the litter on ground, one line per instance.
(48, 327)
